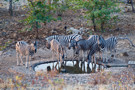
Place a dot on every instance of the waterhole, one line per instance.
(69, 66)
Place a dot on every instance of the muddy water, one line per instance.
(72, 67)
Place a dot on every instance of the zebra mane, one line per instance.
(123, 38)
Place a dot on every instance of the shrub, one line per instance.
(39, 12)
(97, 11)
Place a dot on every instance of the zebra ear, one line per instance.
(35, 43)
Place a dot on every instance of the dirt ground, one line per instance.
(10, 30)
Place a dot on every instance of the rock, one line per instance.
(14, 35)
(125, 54)
(22, 15)
(3, 34)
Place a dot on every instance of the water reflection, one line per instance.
(73, 67)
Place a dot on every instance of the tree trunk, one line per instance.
(102, 26)
(10, 8)
(132, 5)
(49, 2)
(94, 24)
(37, 30)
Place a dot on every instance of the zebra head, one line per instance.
(101, 42)
(47, 43)
(72, 43)
(35, 45)
(33, 48)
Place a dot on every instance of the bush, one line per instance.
(39, 12)
(98, 11)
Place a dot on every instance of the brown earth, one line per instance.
(11, 30)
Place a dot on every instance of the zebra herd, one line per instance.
(59, 44)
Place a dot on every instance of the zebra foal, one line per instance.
(24, 49)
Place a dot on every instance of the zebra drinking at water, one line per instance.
(97, 47)
(63, 39)
(84, 45)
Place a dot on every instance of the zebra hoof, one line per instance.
(26, 67)
(22, 64)
(18, 64)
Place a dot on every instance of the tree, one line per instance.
(97, 11)
(39, 12)
(61, 6)
(10, 8)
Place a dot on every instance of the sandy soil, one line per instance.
(126, 25)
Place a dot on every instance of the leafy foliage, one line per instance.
(5, 45)
(61, 6)
(39, 12)
(98, 11)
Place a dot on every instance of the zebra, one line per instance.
(84, 45)
(96, 47)
(63, 39)
(24, 49)
(57, 49)
(111, 43)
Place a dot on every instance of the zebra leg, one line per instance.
(30, 60)
(111, 55)
(114, 58)
(58, 54)
(61, 59)
(94, 59)
(83, 56)
(102, 56)
(58, 57)
(21, 60)
(53, 55)
(106, 56)
(27, 59)
(17, 56)
(74, 56)
(65, 51)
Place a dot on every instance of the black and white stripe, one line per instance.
(84, 45)
(97, 47)
(24, 49)
(64, 39)
(111, 43)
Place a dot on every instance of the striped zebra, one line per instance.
(63, 39)
(96, 47)
(84, 45)
(24, 49)
(88, 43)
(111, 43)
